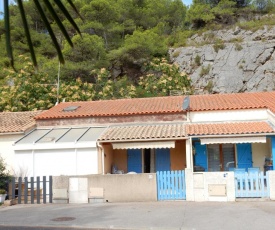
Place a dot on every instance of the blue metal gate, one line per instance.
(171, 185)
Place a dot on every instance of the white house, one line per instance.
(14, 125)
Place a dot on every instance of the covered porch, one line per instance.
(232, 160)
(143, 148)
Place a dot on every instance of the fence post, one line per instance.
(38, 190)
(32, 190)
(19, 189)
(26, 191)
(44, 190)
(13, 188)
(50, 189)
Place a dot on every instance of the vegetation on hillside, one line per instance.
(122, 51)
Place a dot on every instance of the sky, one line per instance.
(1, 8)
(187, 2)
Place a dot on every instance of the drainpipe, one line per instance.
(102, 156)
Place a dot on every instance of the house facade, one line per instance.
(138, 133)
(207, 136)
(229, 133)
(14, 125)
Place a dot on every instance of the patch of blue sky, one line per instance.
(187, 2)
(1, 9)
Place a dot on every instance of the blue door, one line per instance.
(162, 159)
(134, 160)
(244, 153)
(200, 158)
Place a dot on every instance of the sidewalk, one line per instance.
(147, 215)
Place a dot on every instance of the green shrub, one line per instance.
(219, 44)
(205, 70)
(198, 60)
(4, 176)
(209, 86)
(236, 39)
(238, 47)
(176, 54)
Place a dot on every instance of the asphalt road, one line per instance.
(143, 215)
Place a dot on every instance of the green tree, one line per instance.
(103, 16)
(86, 48)
(200, 14)
(140, 47)
(224, 11)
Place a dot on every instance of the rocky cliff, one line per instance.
(229, 61)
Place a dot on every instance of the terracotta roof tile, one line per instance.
(116, 107)
(158, 105)
(12, 122)
(229, 128)
(232, 101)
(143, 132)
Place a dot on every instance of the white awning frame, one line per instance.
(233, 140)
(144, 145)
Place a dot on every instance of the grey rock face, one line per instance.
(243, 66)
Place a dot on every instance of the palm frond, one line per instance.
(67, 14)
(8, 34)
(50, 30)
(58, 22)
(44, 18)
(73, 6)
(27, 31)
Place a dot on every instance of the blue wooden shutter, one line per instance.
(134, 160)
(162, 159)
(244, 155)
(200, 156)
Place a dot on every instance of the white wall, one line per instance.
(198, 186)
(57, 162)
(259, 152)
(6, 150)
(87, 161)
(23, 164)
(271, 175)
(229, 115)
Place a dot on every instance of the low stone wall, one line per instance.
(126, 187)
(210, 186)
(108, 188)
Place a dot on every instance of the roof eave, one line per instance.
(144, 140)
(231, 135)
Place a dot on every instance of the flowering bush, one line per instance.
(108, 88)
(162, 78)
(28, 90)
